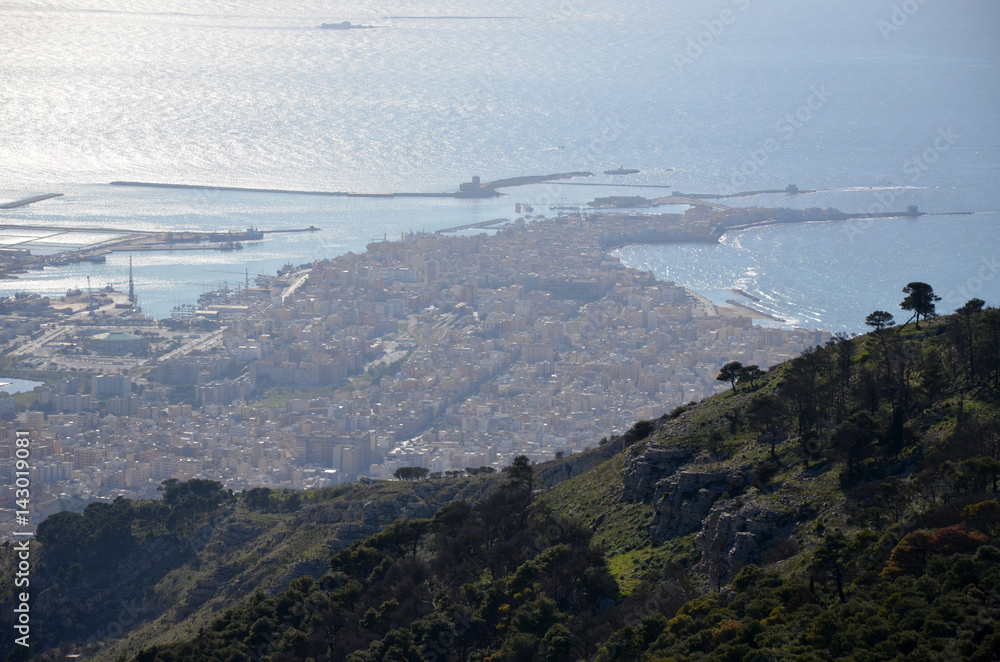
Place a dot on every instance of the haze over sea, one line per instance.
(690, 92)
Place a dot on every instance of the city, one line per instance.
(442, 352)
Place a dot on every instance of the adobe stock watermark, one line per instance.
(900, 16)
(914, 167)
(986, 270)
(786, 127)
(713, 29)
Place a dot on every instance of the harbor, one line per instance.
(37, 246)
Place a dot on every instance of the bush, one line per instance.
(983, 516)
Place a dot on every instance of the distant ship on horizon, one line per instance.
(345, 25)
(622, 171)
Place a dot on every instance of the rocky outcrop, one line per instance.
(687, 497)
(645, 466)
(737, 532)
(682, 492)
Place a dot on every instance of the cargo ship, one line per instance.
(622, 171)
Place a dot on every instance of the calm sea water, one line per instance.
(701, 96)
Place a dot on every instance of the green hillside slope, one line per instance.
(842, 506)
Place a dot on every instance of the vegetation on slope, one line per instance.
(883, 449)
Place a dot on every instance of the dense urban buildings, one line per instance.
(444, 352)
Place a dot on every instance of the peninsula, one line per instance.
(439, 351)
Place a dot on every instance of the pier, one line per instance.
(791, 189)
(242, 189)
(495, 224)
(602, 185)
(29, 201)
(472, 189)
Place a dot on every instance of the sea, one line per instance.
(865, 105)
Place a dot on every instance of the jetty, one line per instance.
(243, 189)
(495, 224)
(616, 185)
(791, 189)
(29, 201)
(311, 228)
(476, 188)
(454, 18)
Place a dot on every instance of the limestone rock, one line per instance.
(645, 466)
(687, 497)
(737, 532)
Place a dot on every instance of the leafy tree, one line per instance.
(804, 390)
(880, 320)
(828, 561)
(410, 473)
(765, 414)
(983, 516)
(174, 491)
(750, 373)
(852, 441)
(558, 643)
(933, 378)
(521, 481)
(920, 299)
(520, 473)
(967, 311)
(843, 348)
(730, 373)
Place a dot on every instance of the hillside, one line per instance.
(841, 506)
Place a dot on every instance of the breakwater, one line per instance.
(243, 189)
(472, 189)
(28, 201)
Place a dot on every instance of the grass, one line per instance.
(594, 498)
(631, 567)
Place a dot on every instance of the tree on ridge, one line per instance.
(881, 320)
(971, 307)
(730, 373)
(920, 299)
(750, 373)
